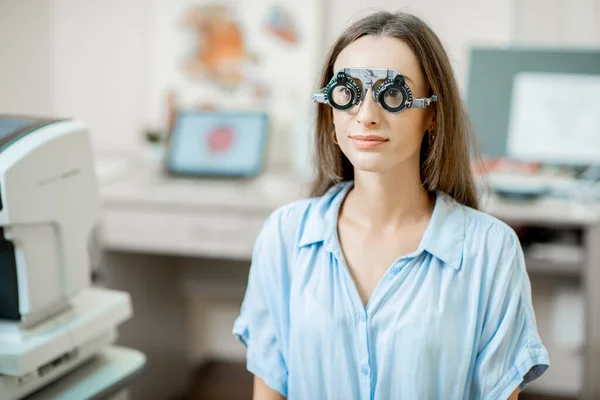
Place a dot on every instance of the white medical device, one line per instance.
(51, 319)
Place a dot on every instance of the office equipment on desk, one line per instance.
(565, 254)
(553, 251)
(51, 320)
(553, 118)
(491, 73)
(516, 186)
(525, 181)
(217, 143)
(105, 376)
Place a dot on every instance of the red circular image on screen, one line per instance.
(220, 139)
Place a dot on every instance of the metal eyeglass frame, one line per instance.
(369, 77)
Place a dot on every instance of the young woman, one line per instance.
(388, 284)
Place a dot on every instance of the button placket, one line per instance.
(363, 355)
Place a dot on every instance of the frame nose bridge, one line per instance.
(368, 83)
(365, 88)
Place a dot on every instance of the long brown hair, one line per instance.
(446, 163)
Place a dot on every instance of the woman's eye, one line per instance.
(392, 93)
(342, 91)
(342, 95)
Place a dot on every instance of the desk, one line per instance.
(151, 213)
(544, 211)
(151, 226)
(151, 222)
(103, 377)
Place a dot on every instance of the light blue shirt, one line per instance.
(452, 320)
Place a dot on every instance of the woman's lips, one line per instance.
(367, 142)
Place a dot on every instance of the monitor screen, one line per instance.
(552, 118)
(224, 143)
(9, 125)
(493, 85)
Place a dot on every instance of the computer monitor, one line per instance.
(9, 125)
(217, 143)
(490, 82)
(554, 119)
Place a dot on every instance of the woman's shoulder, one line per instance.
(289, 221)
(289, 215)
(490, 247)
(294, 212)
(484, 230)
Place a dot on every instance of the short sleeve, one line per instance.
(511, 353)
(261, 325)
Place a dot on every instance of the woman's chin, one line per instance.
(370, 165)
(382, 161)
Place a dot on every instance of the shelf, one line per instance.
(544, 211)
(555, 258)
(565, 375)
(543, 267)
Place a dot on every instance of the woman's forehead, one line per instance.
(380, 52)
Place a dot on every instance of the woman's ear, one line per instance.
(432, 118)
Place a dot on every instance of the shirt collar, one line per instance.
(445, 234)
(443, 238)
(321, 222)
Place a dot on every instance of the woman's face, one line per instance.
(372, 138)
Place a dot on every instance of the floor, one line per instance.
(231, 381)
(220, 380)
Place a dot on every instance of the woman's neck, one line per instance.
(388, 199)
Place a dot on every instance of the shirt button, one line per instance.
(395, 270)
(365, 370)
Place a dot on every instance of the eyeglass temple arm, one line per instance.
(423, 102)
(319, 97)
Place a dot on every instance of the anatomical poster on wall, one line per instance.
(236, 55)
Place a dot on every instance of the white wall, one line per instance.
(101, 56)
(112, 69)
(25, 57)
(77, 58)
(82, 58)
(558, 22)
(459, 24)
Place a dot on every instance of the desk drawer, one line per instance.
(211, 234)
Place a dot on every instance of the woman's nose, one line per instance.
(369, 111)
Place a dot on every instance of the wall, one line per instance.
(25, 57)
(488, 22)
(85, 75)
(101, 61)
(59, 56)
(120, 90)
(558, 22)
